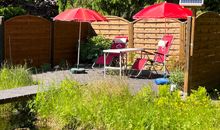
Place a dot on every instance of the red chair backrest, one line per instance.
(119, 42)
(163, 51)
(118, 45)
(122, 37)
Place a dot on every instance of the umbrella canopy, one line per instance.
(163, 10)
(80, 15)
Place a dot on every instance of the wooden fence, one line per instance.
(41, 41)
(37, 41)
(27, 39)
(205, 61)
(145, 33)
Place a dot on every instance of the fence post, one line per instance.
(2, 38)
(130, 37)
(193, 22)
(182, 54)
(187, 63)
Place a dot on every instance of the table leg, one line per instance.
(120, 65)
(126, 64)
(104, 64)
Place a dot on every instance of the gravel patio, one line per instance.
(93, 75)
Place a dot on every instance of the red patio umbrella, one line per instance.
(80, 15)
(163, 10)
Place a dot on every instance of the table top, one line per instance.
(123, 50)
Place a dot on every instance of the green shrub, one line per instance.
(177, 77)
(109, 105)
(90, 51)
(9, 12)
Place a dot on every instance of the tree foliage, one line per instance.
(212, 5)
(45, 8)
(125, 8)
(122, 8)
(9, 12)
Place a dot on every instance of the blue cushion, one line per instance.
(161, 81)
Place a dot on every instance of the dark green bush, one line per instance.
(90, 50)
(9, 12)
(22, 116)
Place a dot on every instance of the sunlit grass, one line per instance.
(109, 105)
(14, 76)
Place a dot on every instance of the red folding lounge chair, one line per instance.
(162, 53)
(118, 43)
(159, 58)
(137, 67)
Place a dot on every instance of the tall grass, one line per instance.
(14, 76)
(109, 105)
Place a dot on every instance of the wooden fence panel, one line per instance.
(205, 59)
(147, 33)
(27, 39)
(66, 35)
(113, 27)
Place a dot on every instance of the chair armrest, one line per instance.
(161, 54)
(158, 53)
(149, 53)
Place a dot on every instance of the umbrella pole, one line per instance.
(79, 44)
(165, 25)
(164, 50)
